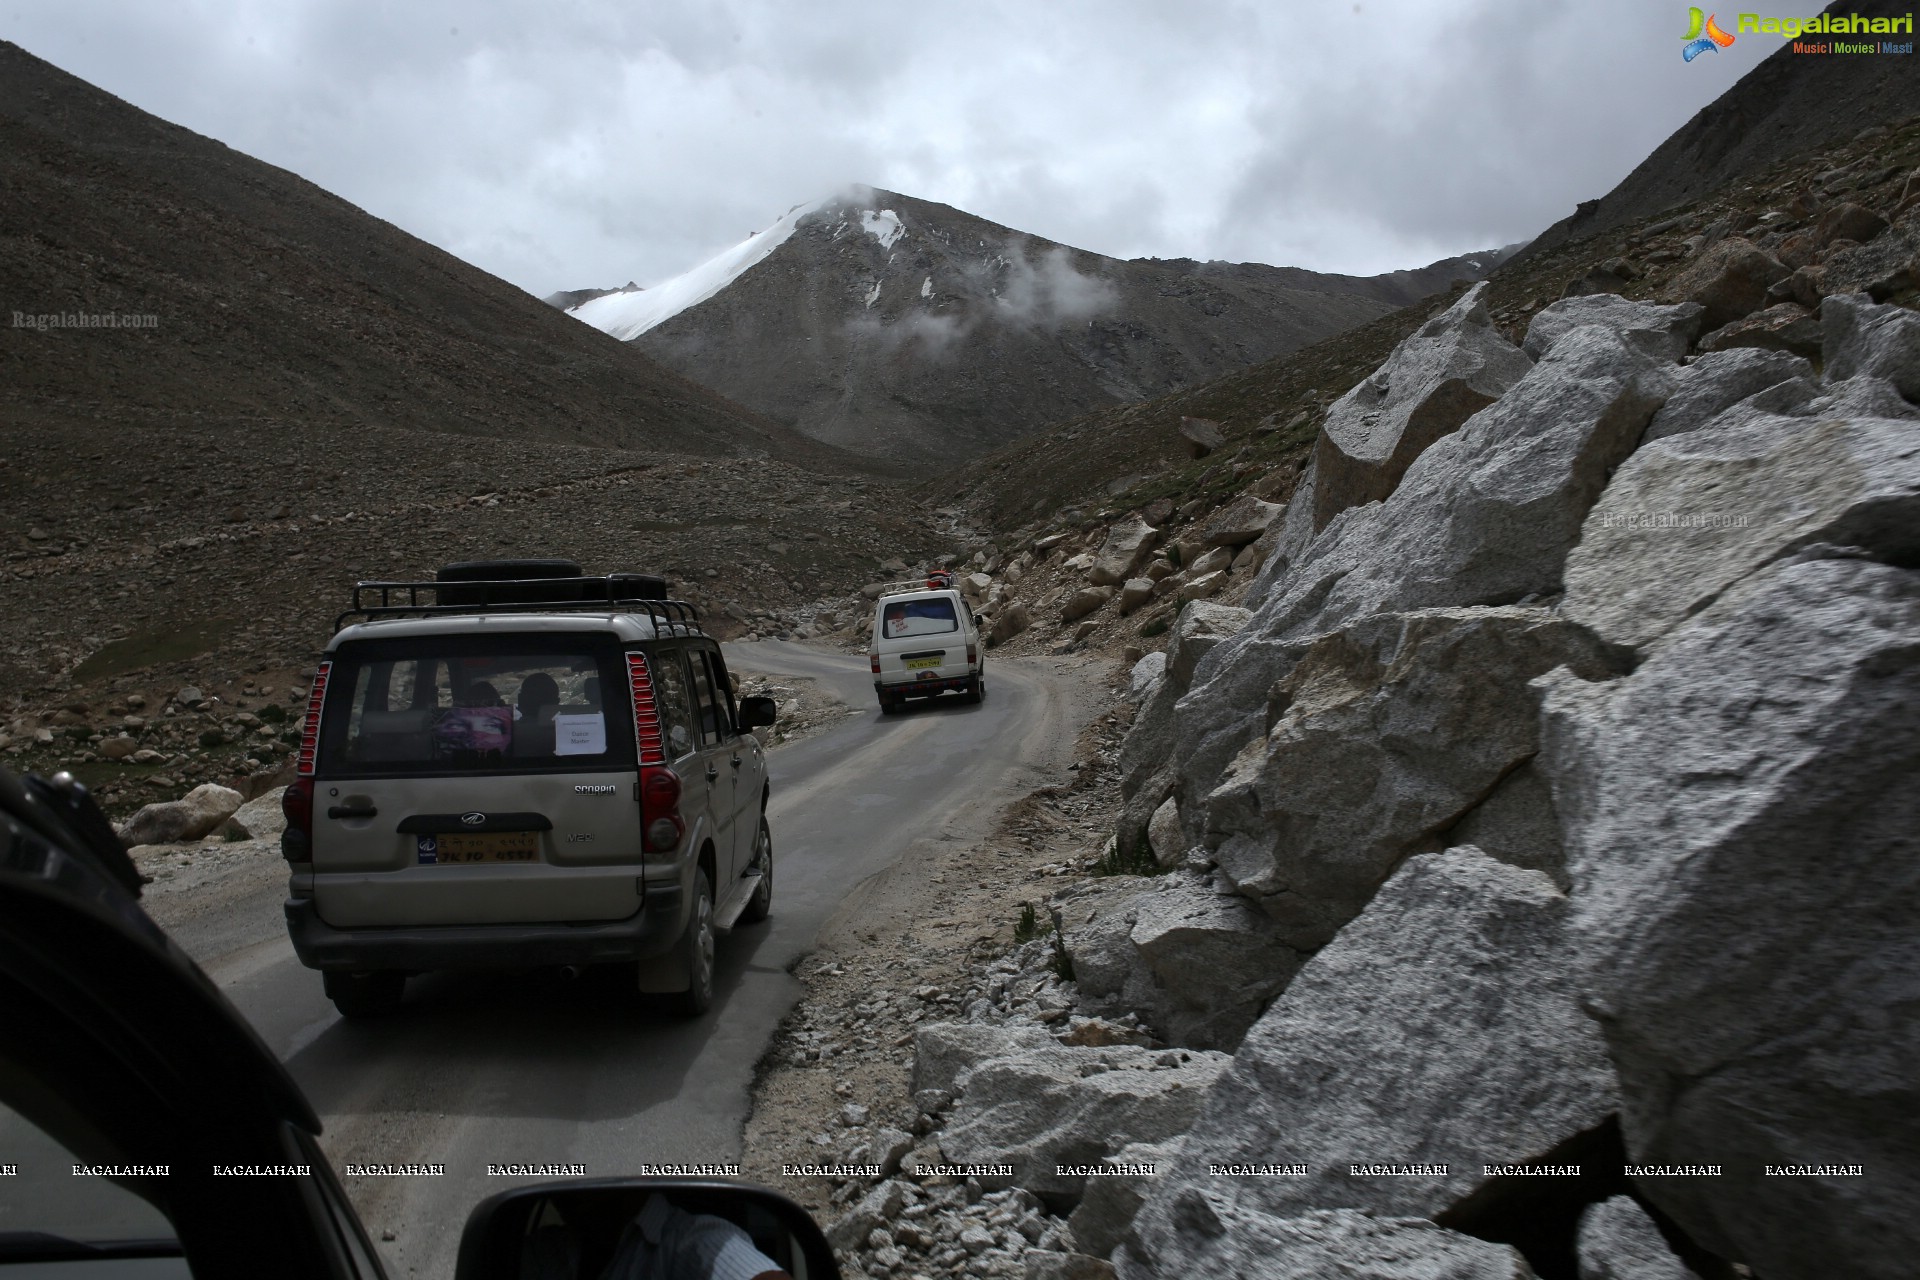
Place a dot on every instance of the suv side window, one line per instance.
(675, 700)
(724, 683)
(714, 722)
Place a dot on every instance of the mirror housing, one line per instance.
(756, 712)
(508, 1235)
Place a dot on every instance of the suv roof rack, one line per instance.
(620, 592)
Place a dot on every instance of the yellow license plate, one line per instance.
(488, 846)
(920, 664)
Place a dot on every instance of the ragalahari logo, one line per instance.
(1703, 35)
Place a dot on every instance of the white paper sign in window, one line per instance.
(580, 735)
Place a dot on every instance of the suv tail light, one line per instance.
(973, 655)
(310, 728)
(296, 842)
(296, 802)
(873, 660)
(660, 809)
(660, 823)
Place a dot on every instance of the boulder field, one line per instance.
(1531, 859)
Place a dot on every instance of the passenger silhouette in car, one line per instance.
(539, 700)
(481, 693)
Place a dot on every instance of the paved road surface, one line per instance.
(541, 1069)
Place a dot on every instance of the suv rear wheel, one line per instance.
(364, 995)
(761, 904)
(696, 950)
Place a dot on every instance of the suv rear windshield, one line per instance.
(507, 703)
(918, 617)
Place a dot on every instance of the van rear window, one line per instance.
(456, 706)
(918, 617)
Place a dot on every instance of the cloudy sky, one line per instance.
(563, 145)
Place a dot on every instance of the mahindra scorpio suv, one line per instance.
(515, 765)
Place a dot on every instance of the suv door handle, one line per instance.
(737, 761)
(713, 772)
(352, 811)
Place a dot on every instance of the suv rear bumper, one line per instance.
(647, 932)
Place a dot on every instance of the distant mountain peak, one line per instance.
(913, 331)
(627, 313)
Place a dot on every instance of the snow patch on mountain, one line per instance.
(628, 315)
(883, 225)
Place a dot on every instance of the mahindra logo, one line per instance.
(473, 819)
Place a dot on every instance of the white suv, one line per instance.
(516, 765)
(925, 642)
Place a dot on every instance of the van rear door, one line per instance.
(920, 637)
(479, 779)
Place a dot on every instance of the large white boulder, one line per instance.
(1688, 516)
(1235, 1243)
(1440, 1030)
(1124, 550)
(1198, 963)
(1485, 516)
(1663, 332)
(1052, 1111)
(192, 816)
(1148, 766)
(1383, 735)
(1743, 833)
(1865, 337)
(1443, 373)
(1618, 1241)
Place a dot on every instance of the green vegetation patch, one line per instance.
(152, 648)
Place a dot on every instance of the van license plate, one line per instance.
(488, 846)
(920, 664)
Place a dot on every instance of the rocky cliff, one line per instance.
(1571, 773)
(1536, 833)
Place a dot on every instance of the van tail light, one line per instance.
(973, 655)
(873, 660)
(660, 825)
(296, 842)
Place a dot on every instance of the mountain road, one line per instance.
(481, 1071)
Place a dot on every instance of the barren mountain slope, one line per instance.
(1786, 105)
(274, 301)
(139, 562)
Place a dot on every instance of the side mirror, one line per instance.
(651, 1226)
(757, 711)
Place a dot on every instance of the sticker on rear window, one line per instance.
(473, 729)
(580, 735)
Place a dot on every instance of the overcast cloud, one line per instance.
(596, 141)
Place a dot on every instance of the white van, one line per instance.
(925, 642)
